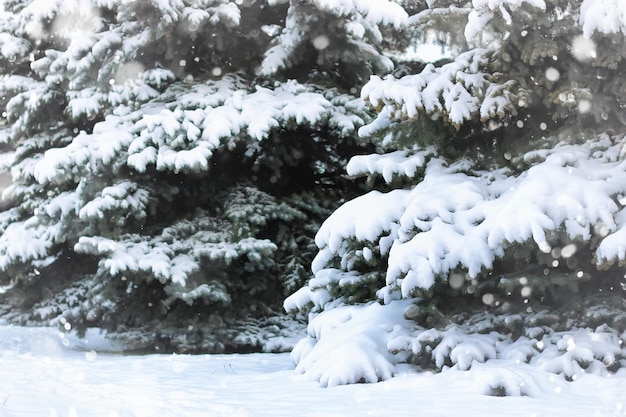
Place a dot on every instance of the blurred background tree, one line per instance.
(171, 160)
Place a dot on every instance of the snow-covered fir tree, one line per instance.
(171, 160)
(495, 224)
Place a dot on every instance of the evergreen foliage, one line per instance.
(498, 185)
(171, 160)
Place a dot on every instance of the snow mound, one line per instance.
(349, 345)
(503, 379)
(373, 342)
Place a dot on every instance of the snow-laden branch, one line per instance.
(125, 196)
(605, 16)
(30, 241)
(174, 255)
(485, 10)
(455, 218)
(359, 19)
(224, 110)
(390, 165)
(426, 16)
(154, 258)
(457, 92)
(85, 154)
(182, 134)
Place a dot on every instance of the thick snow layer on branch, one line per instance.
(85, 153)
(457, 91)
(613, 246)
(459, 219)
(29, 241)
(25, 243)
(87, 102)
(11, 46)
(485, 10)
(182, 134)
(401, 163)
(365, 218)
(605, 16)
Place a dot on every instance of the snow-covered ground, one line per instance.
(43, 373)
